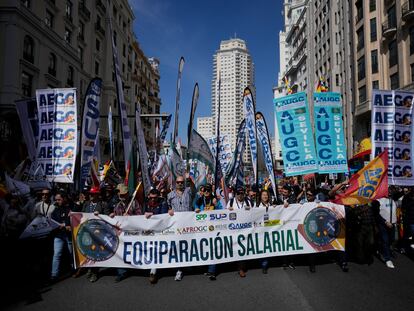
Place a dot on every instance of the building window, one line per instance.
(373, 27)
(393, 53)
(115, 37)
(96, 68)
(372, 5)
(360, 11)
(80, 52)
(52, 64)
(27, 81)
(361, 68)
(69, 10)
(81, 33)
(362, 94)
(68, 35)
(411, 40)
(115, 108)
(360, 36)
(374, 61)
(28, 49)
(412, 72)
(375, 85)
(98, 45)
(124, 50)
(49, 19)
(26, 3)
(70, 76)
(395, 81)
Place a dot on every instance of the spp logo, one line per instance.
(232, 216)
(245, 225)
(201, 217)
(222, 216)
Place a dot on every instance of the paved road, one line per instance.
(364, 287)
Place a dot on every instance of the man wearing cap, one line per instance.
(96, 206)
(180, 200)
(121, 208)
(240, 202)
(155, 205)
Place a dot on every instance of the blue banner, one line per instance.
(293, 122)
(249, 112)
(90, 127)
(329, 133)
(263, 137)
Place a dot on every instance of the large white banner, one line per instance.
(56, 149)
(392, 128)
(193, 239)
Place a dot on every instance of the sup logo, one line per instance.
(97, 240)
(322, 226)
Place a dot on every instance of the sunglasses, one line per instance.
(44, 194)
(240, 192)
(179, 182)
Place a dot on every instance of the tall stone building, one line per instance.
(63, 43)
(316, 42)
(236, 68)
(383, 49)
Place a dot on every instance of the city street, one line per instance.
(363, 288)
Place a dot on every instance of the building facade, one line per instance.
(316, 42)
(205, 127)
(232, 64)
(57, 44)
(383, 49)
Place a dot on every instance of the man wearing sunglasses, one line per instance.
(180, 200)
(45, 207)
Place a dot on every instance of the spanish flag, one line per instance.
(370, 183)
(322, 86)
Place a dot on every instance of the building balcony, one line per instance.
(99, 29)
(101, 6)
(389, 28)
(83, 11)
(358, 18)
(408, 10)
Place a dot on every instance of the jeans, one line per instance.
(58, 245)
(211, 269)
(386, 240)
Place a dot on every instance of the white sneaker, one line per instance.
(389, 264)
(179, 275)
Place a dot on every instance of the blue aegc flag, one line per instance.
(298, 147)
(329, 133)
(90, 126)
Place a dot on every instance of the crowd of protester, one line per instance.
(381, 228)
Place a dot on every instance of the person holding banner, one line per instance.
(208, 202)
(121, 208)
(63, 236)
(95, 206)
(264, 203)
(240, 202)
(155, 205)
(180, 200)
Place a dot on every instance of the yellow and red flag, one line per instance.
(322, 86)
(370, 183)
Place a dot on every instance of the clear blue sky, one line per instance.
(169, 29)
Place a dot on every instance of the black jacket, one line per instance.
(407, 207)
(61, 215)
